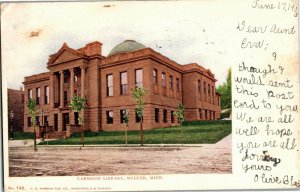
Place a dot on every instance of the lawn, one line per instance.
(197, 132)
(22, 135)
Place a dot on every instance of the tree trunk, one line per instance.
(181, 134)
(80, 118)
(126, 137)
(34, 139)
(142, 132)
(162, 136)
(82, 135)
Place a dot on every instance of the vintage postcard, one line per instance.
(150, 95)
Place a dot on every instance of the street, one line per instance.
(71, 161)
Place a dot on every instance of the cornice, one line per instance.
(200, 72)
(148, 53)
(26, 82)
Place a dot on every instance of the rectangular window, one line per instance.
(200, 114)
(139, 77)
(156, 111)
(55, 122)
(46, 121)
(171, 82)
(204, 87)
(154, 75)
(163, 79)
(28, 121)
(109, 85)
(137, 118)
(172, 117)
(124, 83)
(37, 120)
(109, 117)
(38, 95)
(208, 87)
(199, 88)
(76, 121)
(46, 95)
(165, 116)
(122, 115)
(177, 85)
(29, 93)
(65, 98)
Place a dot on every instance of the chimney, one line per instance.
(93, 48)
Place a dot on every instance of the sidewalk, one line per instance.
(22, 143)
(225, 143)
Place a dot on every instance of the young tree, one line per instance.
(126, 124)
(77, 104)
(225, 91)
(228, 89)
(33, 111)
(138, 95)
(180, 116)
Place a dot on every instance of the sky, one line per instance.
(186, 32)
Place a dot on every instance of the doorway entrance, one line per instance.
(65, 121)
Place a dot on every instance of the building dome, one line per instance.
(126, 46)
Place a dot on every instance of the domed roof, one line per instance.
(126, 46)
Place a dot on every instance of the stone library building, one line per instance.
(107, 83)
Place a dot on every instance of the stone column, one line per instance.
(83, 93)
(211, 94)
(202, 90)
(206, 95)
(200, 94)
(61, 88)
(82, 81)
(71, 114)
(51, 90)
(72, 83)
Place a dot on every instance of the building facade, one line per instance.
(107, 83)
(15, 109)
